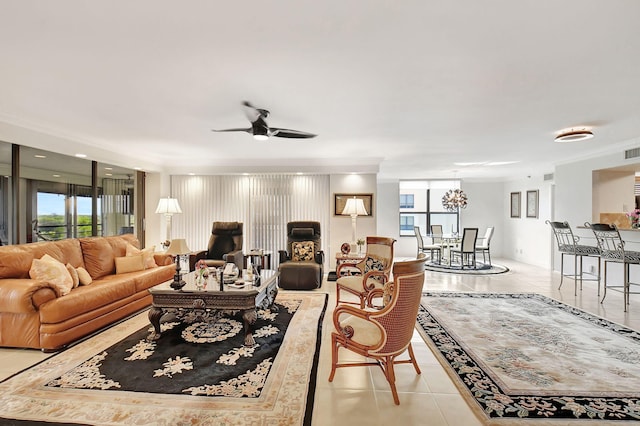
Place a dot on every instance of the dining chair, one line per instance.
(484, 245)
(382, 335)
(467, 250)
(431, 248)
(568, 245)
(612, 249)
(371, 272)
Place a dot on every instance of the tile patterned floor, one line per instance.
(362, 396)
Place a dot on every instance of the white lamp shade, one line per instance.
(168, 206)
(178, 246)
(355, 206)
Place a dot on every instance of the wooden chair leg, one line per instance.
(334, 357)
(413, 359)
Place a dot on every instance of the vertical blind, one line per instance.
(263, 203)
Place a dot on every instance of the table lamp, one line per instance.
(177, 248)
(354, 208)
(168, 207)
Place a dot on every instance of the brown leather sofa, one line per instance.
(32, 315)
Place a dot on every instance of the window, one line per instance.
(421, 205)
(406, 201)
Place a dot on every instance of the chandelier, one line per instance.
(454, 199)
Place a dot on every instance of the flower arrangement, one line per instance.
(360, 243)
(634, 218)
(202, 269)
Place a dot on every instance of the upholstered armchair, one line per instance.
(382, 335)
(371, 272)
(301, 264)
(225, 245)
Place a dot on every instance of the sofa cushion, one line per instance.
(50, 270)
(83, 276)
(127, 264)
(74, 275)
(147, 254)
(15, 262)
(87, 298)
(98, 257)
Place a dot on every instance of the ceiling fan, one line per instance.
(261, 130)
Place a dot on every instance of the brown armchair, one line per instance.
(225, 245)
(382, 335)
(373, 271)
(301, 264)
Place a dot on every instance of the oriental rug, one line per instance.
(528, 359)
(196, 373)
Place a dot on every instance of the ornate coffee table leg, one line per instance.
(154, 318)
(249, 316)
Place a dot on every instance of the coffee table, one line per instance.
(192, 303)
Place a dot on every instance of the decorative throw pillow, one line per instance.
(49, 270)
(301, 251)
(374, 264)
(129, 264)
(83, 276)
(147, 254)
(74, 275)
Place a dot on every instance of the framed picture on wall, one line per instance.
(532, 203)
(515, 204)
(340, 201)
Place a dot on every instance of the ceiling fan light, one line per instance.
(261, 137)
(574, 136)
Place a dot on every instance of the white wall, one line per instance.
(485, 208)
(528, 239)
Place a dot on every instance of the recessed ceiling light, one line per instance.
(108, 168)
(574, 135)
(56, 176)
(81, 155)
(108, 174)
(137, 168)
(192, 174)
(40, 156)
(501, 163)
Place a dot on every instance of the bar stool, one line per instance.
(568, 244)
(612, 249)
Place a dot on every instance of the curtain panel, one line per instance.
(263, 203)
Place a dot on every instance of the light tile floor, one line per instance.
(361, 395)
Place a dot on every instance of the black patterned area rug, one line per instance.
(528, 359)
(480, 269)
(198, 373)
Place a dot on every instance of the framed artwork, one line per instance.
(515, 204)
(340, 200)
(532, 203)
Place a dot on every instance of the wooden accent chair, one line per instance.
(372, 271)
(382, 335)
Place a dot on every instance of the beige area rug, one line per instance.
(528, 359)
(285, 397)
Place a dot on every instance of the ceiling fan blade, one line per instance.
(249, 130)
(253, 114)
(289, 133)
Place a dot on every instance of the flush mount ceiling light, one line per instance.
(574, 135)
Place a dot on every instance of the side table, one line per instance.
(345, 259)
(259, 257)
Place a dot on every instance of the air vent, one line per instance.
(632, 153)
(548, 176)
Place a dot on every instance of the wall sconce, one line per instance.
(168, 207)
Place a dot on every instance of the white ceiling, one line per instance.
(409, 88)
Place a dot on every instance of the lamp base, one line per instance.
(178, 282)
